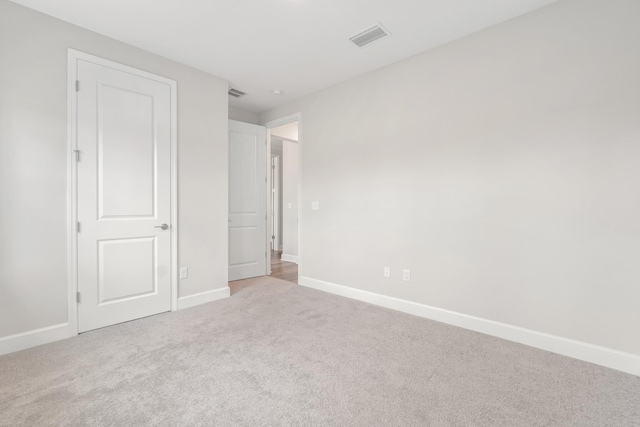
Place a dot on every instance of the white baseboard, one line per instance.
(289, 258)
(203, 297)
(603, 356)
(24, 340)
(17, 342)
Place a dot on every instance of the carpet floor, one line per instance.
(278, 354)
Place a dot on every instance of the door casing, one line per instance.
(72, 177)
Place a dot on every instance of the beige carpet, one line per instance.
(280, 354)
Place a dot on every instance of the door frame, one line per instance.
(72, 176)
(296, 117)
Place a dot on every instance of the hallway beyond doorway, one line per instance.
(282, 269)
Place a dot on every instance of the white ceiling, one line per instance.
(298, 46)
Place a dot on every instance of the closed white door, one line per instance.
(247, 200)
(123, 196)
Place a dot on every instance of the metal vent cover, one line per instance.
(370, 35)
(236, 93)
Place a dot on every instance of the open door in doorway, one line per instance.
(247, 200)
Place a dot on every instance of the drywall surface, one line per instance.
(290, 198)
(33, 165)
(241, 115)
(502, 169)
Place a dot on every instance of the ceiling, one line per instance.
(297, 46)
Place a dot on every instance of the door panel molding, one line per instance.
(74, 56)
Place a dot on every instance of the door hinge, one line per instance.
(77, 154)
(78, 297)
(77, 85)
(78, 226)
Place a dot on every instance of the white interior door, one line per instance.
(123, 195)
(247, 200)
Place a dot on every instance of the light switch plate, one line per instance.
(315, 206)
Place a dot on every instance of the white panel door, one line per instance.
(124, 196)
(247, 200)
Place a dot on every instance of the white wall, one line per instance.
(33, 165)
(241, 115)
(502, 169)
(288, 131)
(290, 200)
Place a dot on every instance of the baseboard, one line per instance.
(24, 340)
(17, 342)
(289, 258)
(603, 356)
(203, 297)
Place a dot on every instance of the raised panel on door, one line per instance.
(126, 183)
(243, 176)
(126, 269)
(247, 200)
(124, 195)
(243, 238)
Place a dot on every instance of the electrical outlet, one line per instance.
(315, 206)
(184, 273)
(406, 275)
(387, 272)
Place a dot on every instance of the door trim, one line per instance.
(296, 117)
(72, 177)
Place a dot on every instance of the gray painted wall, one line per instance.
(33, 165)
(241, 115)
(502, 169)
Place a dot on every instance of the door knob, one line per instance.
(163, 226)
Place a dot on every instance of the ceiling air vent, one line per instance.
(370, 35)
(236, 93)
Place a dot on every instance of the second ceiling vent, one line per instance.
(370, 35)
(236, 93)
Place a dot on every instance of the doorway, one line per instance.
(284, 188)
